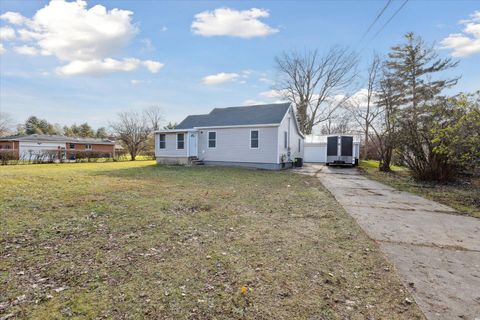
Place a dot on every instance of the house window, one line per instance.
(72, 145)
(180, 140)
(212, 139)
(285, 139)
(299, 145)
(161, 141)
(254, 139)
(88, 147)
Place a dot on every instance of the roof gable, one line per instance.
(238, 116)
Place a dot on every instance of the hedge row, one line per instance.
(50, 156)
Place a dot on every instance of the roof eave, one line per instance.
(174, 130)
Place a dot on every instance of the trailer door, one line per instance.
(332, 146)
(347, 146)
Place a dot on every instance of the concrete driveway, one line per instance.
(436, 253)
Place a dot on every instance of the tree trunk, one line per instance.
(365, 148)
(384, 165)
(302, 117)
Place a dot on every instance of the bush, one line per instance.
(91, 156)
(121, 155)
(149, 155)
(7, 156)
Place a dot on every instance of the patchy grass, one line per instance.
(463, 195)
(132, 240)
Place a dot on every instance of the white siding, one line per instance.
(233, 144)
(356, 150)
(315, 152)
(170, 146)
(27, 149)
(293, 137)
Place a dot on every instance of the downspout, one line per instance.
(187, 134)
(289, 153)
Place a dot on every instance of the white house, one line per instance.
(260, 136)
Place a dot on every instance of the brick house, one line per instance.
(26, 146)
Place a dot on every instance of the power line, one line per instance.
(375, 20)
(391, 18)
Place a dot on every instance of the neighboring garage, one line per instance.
(316, 148)
(315, 152)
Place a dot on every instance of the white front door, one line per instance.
(192, 144)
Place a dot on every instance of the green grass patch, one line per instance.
(462, 195)
(132, 240)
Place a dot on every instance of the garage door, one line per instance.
(315, 152)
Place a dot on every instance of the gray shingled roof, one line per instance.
(237, 116)
(56, 138)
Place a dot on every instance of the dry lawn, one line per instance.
(133, 240)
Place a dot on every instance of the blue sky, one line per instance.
(167, 60)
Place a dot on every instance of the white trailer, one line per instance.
(332, 149)
(341, 150)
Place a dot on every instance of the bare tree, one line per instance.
(170, 125)
(339, 122)
(5, 124)
(155, 116)
(133, 129)
(385, 125)
(363, 106)
(314, 82)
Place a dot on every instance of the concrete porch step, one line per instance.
(196, 162)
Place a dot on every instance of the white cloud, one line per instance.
(246, 73)
(7, 33)
(13, 18)
(98, 67)
(273, 94)
(137, 82)
(230, 22)
(468, 42)
(153, 66)
(27, 35)
(84, 39)
(266, 80)
(71, 32)
(219, 78)
(251, 102)
(360, 97)
(147, 45)
(2, 49)
(26, 50)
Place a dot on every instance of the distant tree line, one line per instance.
(35, 125)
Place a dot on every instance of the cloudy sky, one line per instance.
(87, 60)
